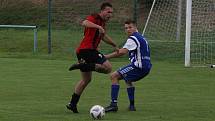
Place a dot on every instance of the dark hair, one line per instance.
(104, 5)
(129, 21)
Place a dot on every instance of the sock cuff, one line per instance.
(74, 94)
(132, 88)
(115, 86)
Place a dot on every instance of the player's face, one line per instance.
(107, 13)
(130, 29)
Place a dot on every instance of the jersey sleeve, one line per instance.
(91, 19)
(130, 44)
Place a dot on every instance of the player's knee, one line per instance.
(103, 68)
(107, 69)
(113, 77)
(114, 81)
(129, 84)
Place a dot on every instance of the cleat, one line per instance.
(77, 66)
(82, 66)
(72, 108)
(131, 108)
(111, 108)
(74, 66)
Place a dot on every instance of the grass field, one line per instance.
(37, 86)
(38, 89)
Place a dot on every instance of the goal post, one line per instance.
(200, 33)
(25, 26)
(188, 32)
(184, 29)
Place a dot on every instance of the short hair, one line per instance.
(130, 21)
(106, 4)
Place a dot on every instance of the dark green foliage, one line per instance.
(24, 13)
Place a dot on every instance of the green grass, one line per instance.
(19, 43)
(37, 86)
(38, 89)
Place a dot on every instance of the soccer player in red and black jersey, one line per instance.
(90, 59)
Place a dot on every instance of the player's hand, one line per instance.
(101, 30)
(116, 49)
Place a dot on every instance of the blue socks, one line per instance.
(114, 94)
(130, 92)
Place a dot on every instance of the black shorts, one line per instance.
(91, 56)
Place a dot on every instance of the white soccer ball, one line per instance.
(97, 112)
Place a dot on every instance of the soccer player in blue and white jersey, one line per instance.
(139, 55)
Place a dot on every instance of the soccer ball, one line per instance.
(97, 112)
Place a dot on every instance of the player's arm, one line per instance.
(129, 45)
(115, 54)
(109, 40)
(89, 24)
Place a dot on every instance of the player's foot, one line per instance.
(72, 108)
(131, 108)
(76, 66)
(111, 108)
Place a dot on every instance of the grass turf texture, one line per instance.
(38, 89)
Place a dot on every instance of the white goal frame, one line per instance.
(187, 22)
(25, 26)
(188, 33)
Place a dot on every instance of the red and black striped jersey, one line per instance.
(92, 37)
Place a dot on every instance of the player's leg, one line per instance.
(131, 92)
(82, 84)
(115, 77)
(96, 62)
(86, 61)
(133, 75)
(130, 74)
(105, 67)
(79, 88)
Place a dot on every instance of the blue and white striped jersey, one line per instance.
(139, 51)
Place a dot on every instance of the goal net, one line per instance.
(166, 26)
(202, 40)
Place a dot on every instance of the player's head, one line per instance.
(106, 11)
(130, 27)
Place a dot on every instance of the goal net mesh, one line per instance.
(166, 27)
(203, 33)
